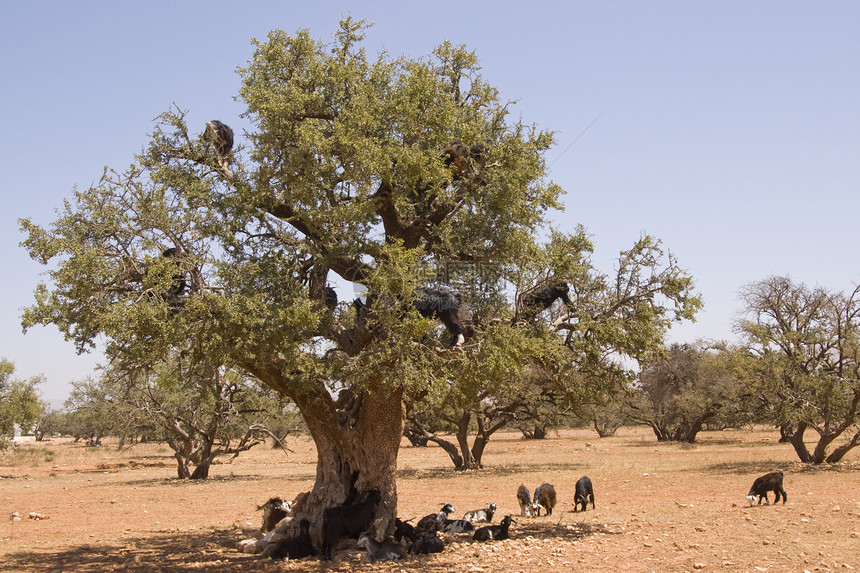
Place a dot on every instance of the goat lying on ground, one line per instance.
(404, 529)
(545, 497)
(457, 526)
(274, 511)
(381, 550)
(426, 542)
(762, 485)
(296, 547)
(584, 493)
(489, 532)
(482, 515)
(344, 521)
(436, 521)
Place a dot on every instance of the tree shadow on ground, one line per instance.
(490, 470)
(214, 551)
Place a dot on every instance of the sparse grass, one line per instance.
(660, 507)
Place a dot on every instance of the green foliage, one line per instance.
(20, 403)
(379, 173)
(804, 362)
(689, 387)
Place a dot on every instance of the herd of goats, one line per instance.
(353, 521)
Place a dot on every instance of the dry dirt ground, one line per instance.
(660, 507)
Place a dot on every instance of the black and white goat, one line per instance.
(342, 521)
(762, 485)
(545, 498)
(494, 532)
(380, 550)
(426, 542)
(482, 515)
(274, 511)
(583, 494)
(436, 521)
(457, 526)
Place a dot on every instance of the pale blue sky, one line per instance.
(730, 130)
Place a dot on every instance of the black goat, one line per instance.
(436, 521)
(483, 515)
(583, 494)
(296, 547)
(762, 485)
(404, 529)
(274, 511)
(538, 300)
(495, 532)
(545, 497)
(343, 521)
(381, 550)
(444, 306)
(426, 542)
(330, 298)
(180, 283)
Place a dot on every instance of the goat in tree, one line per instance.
(221, 135)
(538, 300)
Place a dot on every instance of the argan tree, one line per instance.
(679, 393)
(357, 176)
(805, 345)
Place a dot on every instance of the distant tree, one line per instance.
(201, 412)
(805, 346)
(20, 404)
(678, 393)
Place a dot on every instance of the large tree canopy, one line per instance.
(805, 367)
(385, 176)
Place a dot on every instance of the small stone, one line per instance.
(699, 565)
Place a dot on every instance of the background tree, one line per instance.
(805, 367)
(20, 404)
(677, 394)
(368, 174)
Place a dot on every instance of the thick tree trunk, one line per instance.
(797, 442)
(353, 455)
(837, 454)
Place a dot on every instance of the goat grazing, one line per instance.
(482, 515)
(381, 550)
(436, 521)
(274, 511)
(525, 500)
(426, 542)
(343, 521)
(296, 547)
(583, 494)
(762, 485)
(545, 497)
(496, 532)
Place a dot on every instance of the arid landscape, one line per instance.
(660, 507)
